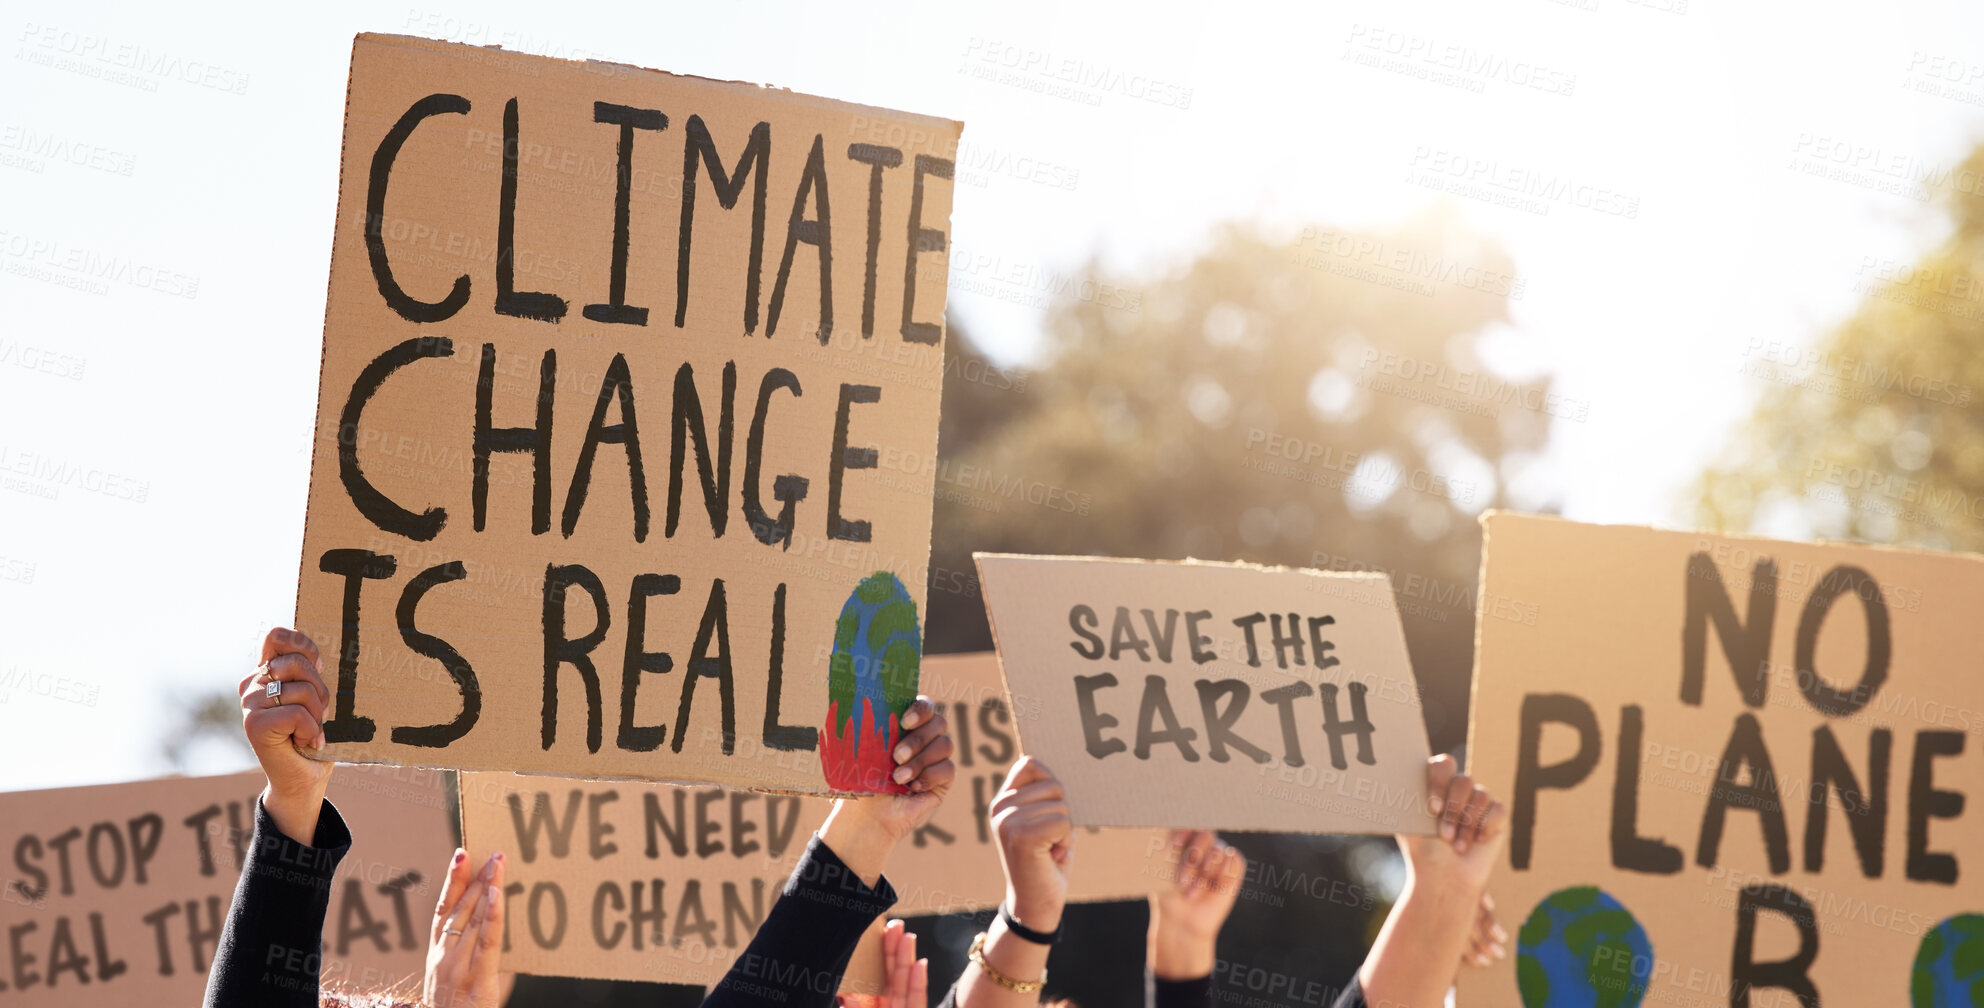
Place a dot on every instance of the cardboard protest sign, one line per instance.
(116, 894)
(1736, 768)
(667, 883)
(625, 441)
(1215, 696)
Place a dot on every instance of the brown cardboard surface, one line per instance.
(952, 864)
(1587, 628)
(738, 847)
(132, 914)
(501, 218)
(1133, 655)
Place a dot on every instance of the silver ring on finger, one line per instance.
(452, 931)
(274, 692)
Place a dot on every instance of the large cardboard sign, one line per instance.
(1738, 769)
(667, 883)
(1215, 696)
(116, 894)
(629, 395)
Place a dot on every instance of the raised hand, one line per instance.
(1036, 843)
(908, 976)
(465, 945)
(1437, 922)
(1489, 942)
(282, 713)
(1472, 829)
(863, 831)
(1185, 917)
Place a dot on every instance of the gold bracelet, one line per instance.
(977, 955)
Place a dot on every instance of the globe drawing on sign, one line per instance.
(1949, 966)
(1580, 948)
(871, 681)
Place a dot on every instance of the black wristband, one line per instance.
(1027, 933)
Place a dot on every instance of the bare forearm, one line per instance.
(1178, 956)
(294, 814)
(857, 841)
(1412, 964)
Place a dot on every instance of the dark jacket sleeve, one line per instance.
(798, 955)
(1352, 996)
(268, 954)
(1194, 993)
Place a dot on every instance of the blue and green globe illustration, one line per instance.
(871, 681)
(1949, 967)
(1581, 948)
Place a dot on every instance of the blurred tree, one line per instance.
(1323, 403)
(204, 719)
(1873, 432)
(1320, 405)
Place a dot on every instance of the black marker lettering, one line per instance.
(357, 566)
(617, 310)
(617, 384)
(534, 441)
(509, 300)
(440, 735)
(921, 239)
(560, 649)
(640, 660)
(374, 505)
(408, 307)
(841, 458)
(815, 232)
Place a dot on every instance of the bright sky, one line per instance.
(198, 155)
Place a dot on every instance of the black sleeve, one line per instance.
(1352, 996)
(1193, 993)
(799, 953)
(269, 948)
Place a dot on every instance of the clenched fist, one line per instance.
(1036, 842)
(282, 713)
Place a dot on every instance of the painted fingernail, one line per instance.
(1436, 803)
(1446, 830)
(460, 855)
(902, 753)
(902, 774)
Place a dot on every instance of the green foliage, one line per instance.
(202, 719)
(1877, 437)
(1143, 433)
